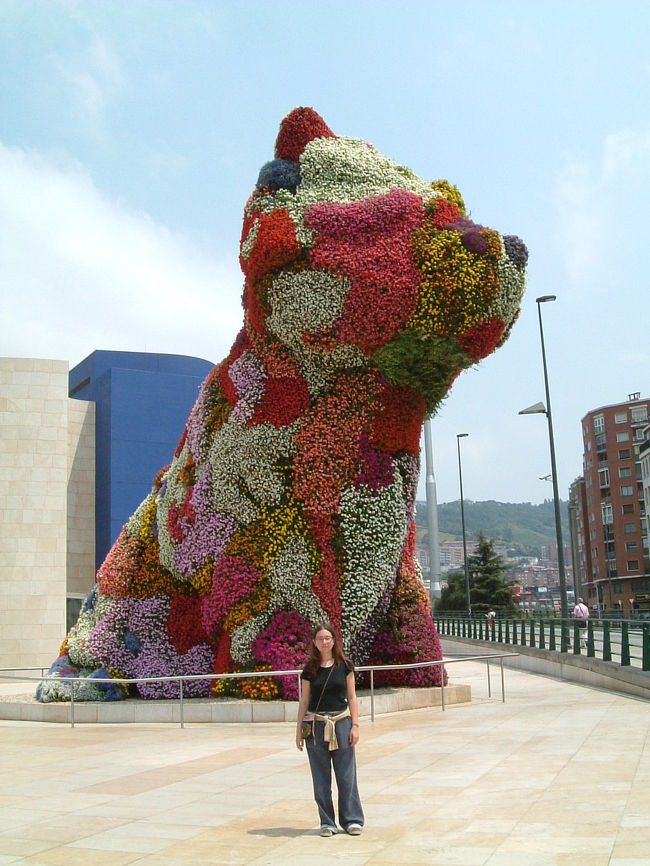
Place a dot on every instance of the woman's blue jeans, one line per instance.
(321, 761)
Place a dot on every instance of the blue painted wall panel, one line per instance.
(142, 403)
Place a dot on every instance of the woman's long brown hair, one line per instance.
(314, 660)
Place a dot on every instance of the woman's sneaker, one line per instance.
(326, 830)
(354, 830)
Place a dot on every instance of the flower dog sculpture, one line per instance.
(290, 497)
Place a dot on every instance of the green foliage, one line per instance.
(520, 525)
(488, 584)
(426, 364)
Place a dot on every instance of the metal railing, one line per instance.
(71, 681)
(626, 642)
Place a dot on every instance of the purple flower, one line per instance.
(208, 535)
(516, 251)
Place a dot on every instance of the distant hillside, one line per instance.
(515, 523)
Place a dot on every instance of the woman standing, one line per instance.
(329, 701)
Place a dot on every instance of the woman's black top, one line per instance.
(334, 698)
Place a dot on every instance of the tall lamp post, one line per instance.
(432, 518)
(460, 436)
(540, 408)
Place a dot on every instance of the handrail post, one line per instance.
(645, 643)
(542, 634)
(551, 635)
(372, 694)
(607, 642)
(500, 631)
(508, 631)
(564, 638)
(180, 683)
(590, 640)
(576, 637)
(532, 633)
(625, 643)
(523, 632)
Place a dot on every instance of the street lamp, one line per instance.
(460, 436)
(539, 408)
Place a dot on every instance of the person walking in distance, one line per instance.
(581, 613)
(328, 724)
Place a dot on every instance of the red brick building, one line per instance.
(608, 518)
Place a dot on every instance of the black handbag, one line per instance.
(307, 728)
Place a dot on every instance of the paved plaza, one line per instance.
(559, 774)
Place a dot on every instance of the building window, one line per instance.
(629, 528)
(633, 565)
(631, 547)
(603, 477)
(618, 589)
(599, 424)
(627, 491)
(639, 414)
(606, 511)
(623, 436)
(620, 418)
(624, 472)
(629, 508)
(624, 454)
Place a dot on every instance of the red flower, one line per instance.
(275, 246)
(184, 623)
(444, 213)
(481, 340)
(297, 129)
(369, 242)
(223, 662)
(285, 398)
(325, 583)
(396, 427)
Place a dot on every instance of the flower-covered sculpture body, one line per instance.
(290, 497)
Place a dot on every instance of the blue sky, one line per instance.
(131, 134)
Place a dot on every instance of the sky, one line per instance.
(131, 135)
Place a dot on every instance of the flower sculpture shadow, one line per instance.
(290, 497)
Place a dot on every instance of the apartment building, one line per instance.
(609, 525)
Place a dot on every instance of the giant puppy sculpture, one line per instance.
(290, 497)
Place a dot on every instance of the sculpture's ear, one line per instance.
(298, 128)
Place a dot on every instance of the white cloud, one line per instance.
(623, 149)
(581, 221)
(598, 201)
(79, 272)
(93, 78)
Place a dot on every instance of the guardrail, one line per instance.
(71, 681)
(628, 640)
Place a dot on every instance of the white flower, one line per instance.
(374, 530)
(243, 474)
(242, 638)
(290, 575)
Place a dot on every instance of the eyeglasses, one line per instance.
(324, 639)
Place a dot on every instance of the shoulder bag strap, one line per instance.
(324, 687)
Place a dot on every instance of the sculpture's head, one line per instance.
(352, 261)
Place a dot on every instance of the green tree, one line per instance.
(489, 587)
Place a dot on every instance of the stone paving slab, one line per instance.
(557, 775)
